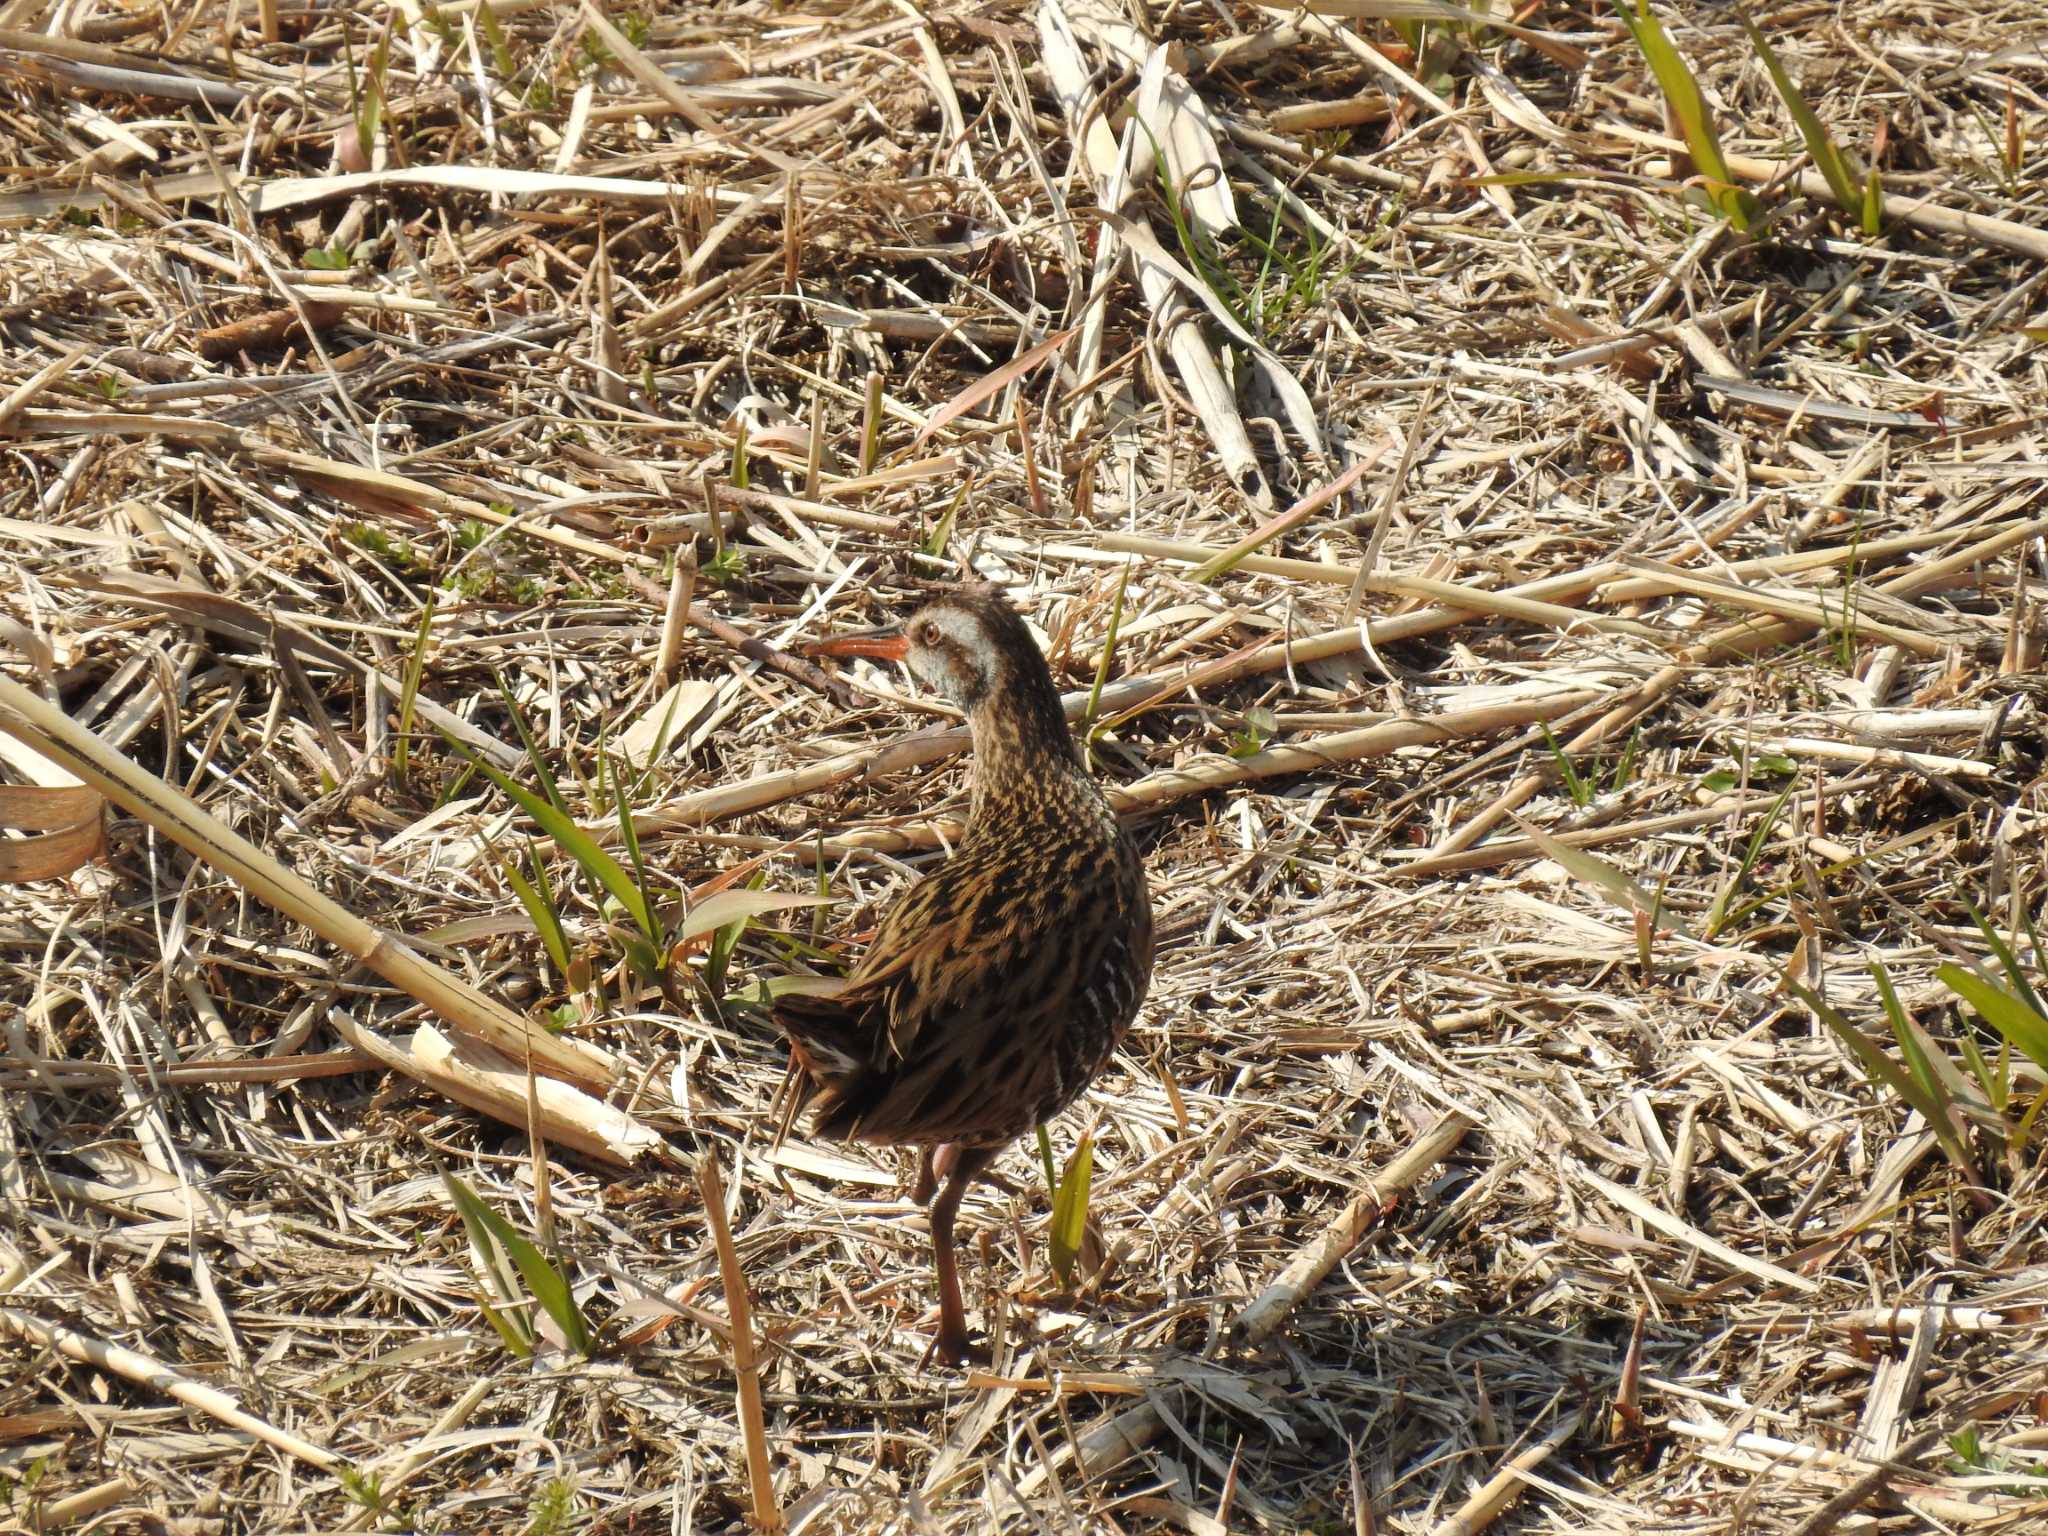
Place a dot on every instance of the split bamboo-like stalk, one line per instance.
(746, 1368)
(50, 731)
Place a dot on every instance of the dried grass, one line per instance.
(1639, 487)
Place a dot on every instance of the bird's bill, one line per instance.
(882, 644)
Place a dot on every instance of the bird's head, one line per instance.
(968, 648)
(972, 650)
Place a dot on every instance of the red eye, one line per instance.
(928, 633)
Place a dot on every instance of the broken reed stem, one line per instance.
(50, 731)
(1506, 1485)
(1121, 1436)
(1120, 701)
(1158, 789)
(1305, 1271)
(1831, 1514)
(675, 617)
(157, 1377)
(746, 1370)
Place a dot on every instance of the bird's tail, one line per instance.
(825, 1056)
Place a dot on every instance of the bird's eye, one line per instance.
(928, 632)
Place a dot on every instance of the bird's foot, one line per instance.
(961, 1349)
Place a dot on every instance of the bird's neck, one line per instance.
(1026, 766)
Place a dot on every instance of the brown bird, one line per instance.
(998, 985)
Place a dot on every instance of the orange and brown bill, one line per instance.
(882, 644)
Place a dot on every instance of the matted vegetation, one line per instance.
(1544, 634)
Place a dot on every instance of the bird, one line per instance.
(999, 985)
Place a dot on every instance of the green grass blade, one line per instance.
(540, 907)
(1070, 1209)
(544, 1279)
(1827, 155)
(1990, 1083)
(1052, 1176)
(715, 912)
(530, 744)
(501, 45)
(2009, 962)
(1116, 619)
(629, 838)
(1625, 770)
(409, 693)
(370, 109)
(1917, 1061)
(2002, 1010)
(1717, 915)
(1598, 873)
(1574, 786)
(1880, 1068)
(511, 1326)
(595, 863)
(935, 546)
(1682, 90)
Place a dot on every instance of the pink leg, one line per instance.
(961, 1165)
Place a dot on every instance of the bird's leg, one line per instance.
(965, 1164)
(921, 1191)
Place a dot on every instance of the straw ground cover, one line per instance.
(387, 389)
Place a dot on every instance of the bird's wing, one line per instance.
(923, 957)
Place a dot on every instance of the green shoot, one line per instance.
(1839, 170)
(409, 692)
(725, 567)
(1052, 1178)
(1070, 1210)
(1689, 106)
(502, 1254)
(501, 45)
(1594, 871)
(646, 961)
(1763, 765)
(370, 109)
(553, 1510)
(1195, 247)
(1873, 203)
(530, 743)
(538, 898)
(333, 258)
(2016, 1020)
(1625, 770)
(1250, 738)
(1928, 1062)
(739, 456)
(364, 1489)
(1879, 1068)
(725, 939)
(1301, 283)
(941, 535)
(1718, 915)
(1116, 618)
(599, 867)
(1576, 786)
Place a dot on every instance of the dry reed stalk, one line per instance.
(175, 815)
(761, 209)
(1492, 1497)
(767, 1517)
(1305, 1271)
(1160, 789)
(153, 1375)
